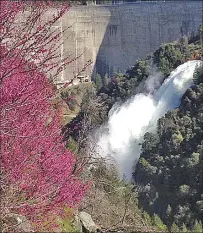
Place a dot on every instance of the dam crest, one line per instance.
(113, 37)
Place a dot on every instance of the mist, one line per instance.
(127, 124)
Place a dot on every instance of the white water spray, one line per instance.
(128, 123)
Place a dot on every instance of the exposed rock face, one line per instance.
(84, 223)
(113, 37)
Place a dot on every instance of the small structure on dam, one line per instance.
(114, 36)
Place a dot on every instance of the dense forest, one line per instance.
(171, 163)
(170, 166)
(120, 87)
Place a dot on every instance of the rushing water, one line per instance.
(129, 122)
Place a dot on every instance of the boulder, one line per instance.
(88, 225)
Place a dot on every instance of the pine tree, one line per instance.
(98, 81)
(147, 217)
(197, 226)
(168, 211)
(105, 80)
(198, 75)
(174, 228)
(159, 223)
(184, 228)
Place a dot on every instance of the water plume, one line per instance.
(128, 123)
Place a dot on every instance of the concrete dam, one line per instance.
(114, 36)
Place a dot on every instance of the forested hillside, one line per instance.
(171, 164)
(121, 86)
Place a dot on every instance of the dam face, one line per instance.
(113, 37)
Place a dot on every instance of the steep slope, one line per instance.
(94, 112)
(171, 163)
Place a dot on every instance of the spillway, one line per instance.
(129, 122)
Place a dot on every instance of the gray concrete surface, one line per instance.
(113, 37)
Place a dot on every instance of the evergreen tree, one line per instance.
(174, 228)
(147, 217)
(98, 81)
(169, 214)
(198, 75)
(105, 80)
(184, 228)
(168, 211)
(197, 226)
(159, 223)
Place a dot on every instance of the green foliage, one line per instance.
(199, 205)
(174, 228)
(168, 57)
(67, 226)
(171, 162)
(140, 70)
(201, 33)
(184, 228)
(168, 211)
(171, 55)
(178, 137)
(105, 81)
(184, 189)
(193, 160)
(66, 222)
(72, 144)
(147, 218)
(145, 165)
(98, 82)
(159, 223)
(197, 226)
(198, 75)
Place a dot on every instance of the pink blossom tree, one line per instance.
(38, 174)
